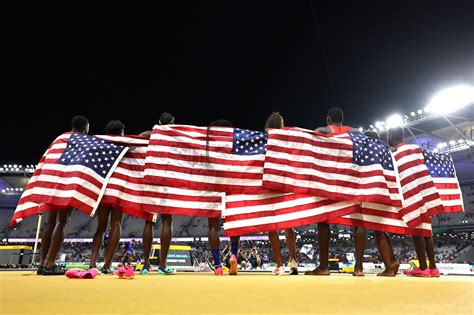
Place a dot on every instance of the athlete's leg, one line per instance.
(324, 235)
(430, 250)
(147, 242)
(384, 250)
(291, 242)
(360, 241)
(46, 236)
(115, 226)
(214, 241)
(102, 222)
(165, 238)
(275, 244)
(58, 236)
(420, 249)
(393, 261)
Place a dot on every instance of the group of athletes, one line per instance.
(53, 235)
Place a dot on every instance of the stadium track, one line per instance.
(204, 293)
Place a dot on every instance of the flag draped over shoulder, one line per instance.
(73, 173)
(347, 167)
(128, 192)
(26, 207)
(443, 173)
(420, 196)
(295, 177)
(429, 184)
(216, 159)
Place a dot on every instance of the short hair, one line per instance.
(336, 115)
(275, 120)
(372, 134)
(221, 123)
(166, 119)
(79, 123)
(396, 134)
(114, 127)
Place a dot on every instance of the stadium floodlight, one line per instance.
(461, 141)
(361, 129)
(420, 112)
(451, 99)
(379, 125)
(452, 142)
(441, 145)
(435, 150)
(412, 114)
(394, 121)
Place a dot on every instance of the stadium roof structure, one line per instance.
(446, 124)
(452, 133)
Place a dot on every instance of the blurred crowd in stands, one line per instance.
(255, 255)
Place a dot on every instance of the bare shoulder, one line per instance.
(146, 133)
(323, 130)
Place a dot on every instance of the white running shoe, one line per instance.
(279, 271)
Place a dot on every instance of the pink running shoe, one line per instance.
(73, 273)
(81, 274)
(88, 274)
(218, 271)
(233, 265)
(125, 273)
(434, 273)
(421, 273)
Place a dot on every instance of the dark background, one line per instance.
(229, 59)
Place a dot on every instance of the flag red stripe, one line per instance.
(334, 170)
(289, 224)
(333, 182)
(187, 146)
(203, 159)
(375, 198)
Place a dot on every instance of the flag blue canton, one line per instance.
(439, 164)
(249, 142)
(97, 154)
(368, 151)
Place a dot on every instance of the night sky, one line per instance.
(234, 60)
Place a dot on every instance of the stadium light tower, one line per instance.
(451, 99)
(394, 121)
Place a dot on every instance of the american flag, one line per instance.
(389, 219)
(346, 167)
(421, 198)
(215, 159)
(26, 207)
(247, 214)
(128, 192)
(443, 173)
(73, 173)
